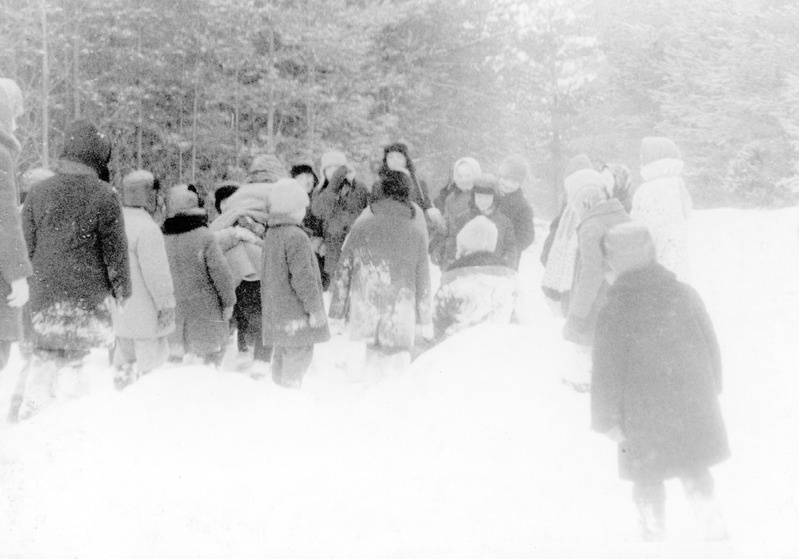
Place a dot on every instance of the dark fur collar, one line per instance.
(183, 223)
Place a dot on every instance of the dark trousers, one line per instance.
(247, 314)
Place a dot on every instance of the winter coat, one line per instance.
(382, 287)
(338, 204)
(150, 278)
(478, 288)
(590, 287)
(14, 263)
(518, 209)
(507, 249)
(663, 204)
(418, 218)
(76, 240)
(656, 375)
(291, 290)
(457, 213)
(204, 284)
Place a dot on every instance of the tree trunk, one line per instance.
(45, 88)
(237, 112)
(194, 129)
(270, 115)
(75, 73)
(140, 125)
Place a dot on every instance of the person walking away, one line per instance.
(75, 232)
(381, 291)
(656, 381)
(294, 318)
(596, 214)
(513, 174)
(663, 203)
(144, 323)
(204, 286)
(479, 287)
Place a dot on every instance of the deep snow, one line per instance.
(478, 451)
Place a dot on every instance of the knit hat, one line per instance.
(136, 186)
(395, 185)
(628, 246)
(181, 200)
(286, 197)
(266, 168)
(655, 148)
(14, 94)
(471, 162)
(577, 163)
(478, 235)
(84, 144)
(32, 177)
(581, 184)
(333, 158)
(514, 168)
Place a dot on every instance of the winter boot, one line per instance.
(650, 499)
(39, 388)
(699, 489)
(125, 375)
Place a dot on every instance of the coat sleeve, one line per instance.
(114, 245)
(14, 263)
(608, 372)
(303, 277)
(342, 280)
(154, 266)
(591, 274)
(220, 273)
(423, 295)
(523, 225)
(424, 193)
(708, 337)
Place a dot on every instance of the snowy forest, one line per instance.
(193, 89)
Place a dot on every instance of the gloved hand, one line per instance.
(227, 313)
(19, 293)
(166, 318)
(435, 217)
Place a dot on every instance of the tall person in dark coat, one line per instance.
(294, 318)
(76, 241)
(14, 264)
(513, 173)
(656, 381)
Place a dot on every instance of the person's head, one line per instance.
(627, 246)
(513, 173)
(396, 185)
(485, 194)
(478, 235)
(11, 106)
(140, 189)
(330, 163)
(266, 168)
(181, 200)
(288, 199)
(305, 175)
(585, 188)
(84, 144)
(655, 148)
(222, 193)
(465, 172)
(396, 157)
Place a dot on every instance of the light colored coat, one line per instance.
(150, 279)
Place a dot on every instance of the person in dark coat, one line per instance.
(485, 201)
(339, 201)
(306, 176)
(76, 241)
(382, 287)
(656, 381)
(205, 289)
(15, 267)
(513, 173)
(294, 316)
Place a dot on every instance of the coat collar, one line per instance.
(183, 223)
(67, 167)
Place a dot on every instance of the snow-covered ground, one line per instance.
(478, 451)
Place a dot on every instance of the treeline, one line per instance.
(192, 89)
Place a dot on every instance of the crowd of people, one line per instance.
(161, 274)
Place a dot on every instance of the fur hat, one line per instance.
(84, 144)
(478, 235)
(266, 168)
(628, 246)
(32, 177)
(514, 168)
(286, 197)
(581, 184)
(181, 200)
(487, 184)
(136, 186)
(655, 148)
(576, 163)
(333, 158)
(395, 185)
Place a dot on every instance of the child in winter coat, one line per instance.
(382, 288)
(148, 317)
(457, 210)
(513, 173)
(204, 284)
(596, 215)
(479, 287)
(294, 317)
(485, 201)
(663, 203)
(656, 380)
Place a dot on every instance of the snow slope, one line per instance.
(478, 451)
